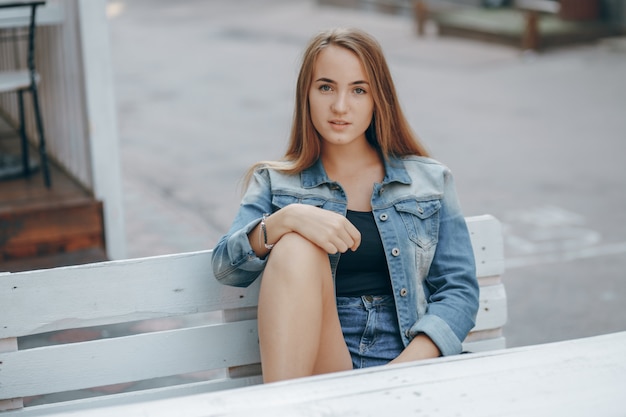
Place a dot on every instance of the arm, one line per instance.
(328, 230)
(240, 255)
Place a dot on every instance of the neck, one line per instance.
(341, 161)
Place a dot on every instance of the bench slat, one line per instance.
(541, 6)
(97, 363)
(485, 345)
(114, 292)
(134, 397)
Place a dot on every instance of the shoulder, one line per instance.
(422, 177)
(424, 167)
(268, 169)
(423, 162)
(275, 174)
(265, 179)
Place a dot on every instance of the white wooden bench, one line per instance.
(215, 332)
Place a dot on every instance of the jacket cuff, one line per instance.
(240, 251)
(439, 332)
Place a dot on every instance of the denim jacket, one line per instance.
(424, 236)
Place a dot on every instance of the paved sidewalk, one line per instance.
(205, 88)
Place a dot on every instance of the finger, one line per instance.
(341, 246)
(330, 249)
(355, 236)
(343, 240)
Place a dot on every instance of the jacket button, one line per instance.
(395, 251)
(403, 292)
(420, 210)
(407, 333)
(383, 217)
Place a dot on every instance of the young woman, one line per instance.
(364, 252)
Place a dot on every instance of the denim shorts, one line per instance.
(370, 327)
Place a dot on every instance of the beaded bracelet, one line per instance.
(264, 230)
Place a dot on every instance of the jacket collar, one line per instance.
(315, 175)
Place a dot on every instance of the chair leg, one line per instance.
(23, 138)
(43, 156)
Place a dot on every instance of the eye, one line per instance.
(324, 88)
(359, 91)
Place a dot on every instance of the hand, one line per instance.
(421, 347)
(328, 230)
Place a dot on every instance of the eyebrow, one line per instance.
(328, 80)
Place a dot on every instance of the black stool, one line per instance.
(20, 81)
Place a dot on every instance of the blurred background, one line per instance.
(524, 101)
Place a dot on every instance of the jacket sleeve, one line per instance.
(451, 286)
(233, 260)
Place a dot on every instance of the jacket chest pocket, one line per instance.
(282, 200)
(421, 220)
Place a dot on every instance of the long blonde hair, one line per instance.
(389, 132)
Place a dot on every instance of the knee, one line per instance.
(297, 264)
(295, 252)
(294, 247)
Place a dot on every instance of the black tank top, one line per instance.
(363, 272)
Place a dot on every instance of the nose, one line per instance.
(340, 104)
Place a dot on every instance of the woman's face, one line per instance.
(340, 98)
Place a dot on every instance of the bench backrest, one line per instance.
(162, 323)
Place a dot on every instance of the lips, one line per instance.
(338, 124)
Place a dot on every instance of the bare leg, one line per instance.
(299, 329)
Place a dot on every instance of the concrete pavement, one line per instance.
(205, 88)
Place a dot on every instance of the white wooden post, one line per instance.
(102, 121)
(235, 315)
(10, 345)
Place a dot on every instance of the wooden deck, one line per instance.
(43, 228)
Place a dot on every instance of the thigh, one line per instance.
(299, 331)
